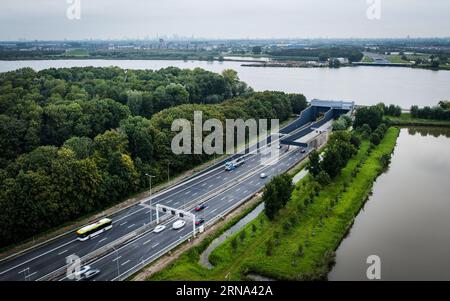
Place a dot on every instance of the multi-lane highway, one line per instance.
(220, 189)
(131, 244)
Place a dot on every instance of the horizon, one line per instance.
(75, 20)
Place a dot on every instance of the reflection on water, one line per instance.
(406, 222)
(432, 131)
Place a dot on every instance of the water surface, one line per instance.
(406, 222)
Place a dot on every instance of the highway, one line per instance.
(124, 261)
(40, 262)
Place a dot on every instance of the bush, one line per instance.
(323, 178)
(375, 139)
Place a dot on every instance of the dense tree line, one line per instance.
(73, 142)
(440, 112)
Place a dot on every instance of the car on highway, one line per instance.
(81, 271)
(279, 146)
(263, 175)
(302, 150)
(90, 274)
(200, 207)
(178, 224)
(159, 228)
(199, 221)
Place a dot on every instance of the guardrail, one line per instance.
(181, 240)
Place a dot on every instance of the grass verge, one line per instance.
(300, 243)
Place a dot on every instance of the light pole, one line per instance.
(150, 181)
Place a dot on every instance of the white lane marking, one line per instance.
(251, 182)
(259, 183)
(169, 201)
(31, 274)
(131, 226)
(176, 203)
(146, 242)
(210, 186)
(62, 252)
(194, 193)
(123, 223)
(245, 191)
(117, 258)
(180, 230)
(218, 177)
(204, 184)
(238, 189)
(103, 239)
(223, 198)
(45, 253)
(212, 211)
(155, 245)
(230, 200)
(187, 192)
(226, 178)
(125, 262)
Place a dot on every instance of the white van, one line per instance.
(178, 224)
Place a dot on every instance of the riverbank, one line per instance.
(406, 120)
(305, 234)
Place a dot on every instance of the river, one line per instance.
(364, 85)
(406, 222)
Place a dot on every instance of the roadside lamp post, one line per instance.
(150, 197)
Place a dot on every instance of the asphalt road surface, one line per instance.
(220, 190)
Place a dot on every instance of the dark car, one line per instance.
(303, 151)
(199, 221)
(200, 207)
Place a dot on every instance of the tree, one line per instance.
(371, 116)
(323, 178)
(375, 139)
(313, 165)
(276, 194)
(298, 102)
(256, 50)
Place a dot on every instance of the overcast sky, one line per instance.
(118, 19)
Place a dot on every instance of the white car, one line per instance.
(178, 224)
(263, 175)
(159, 228)
(82, 270)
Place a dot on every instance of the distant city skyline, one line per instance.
(231, 19)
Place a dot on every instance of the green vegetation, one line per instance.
(354, 54)
(276, 194)
(300, 242)
(407, 120)
(397, 59)
(342, 123)
(367, 59)
(77, 52)
(75, 141)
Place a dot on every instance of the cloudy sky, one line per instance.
(111, 19)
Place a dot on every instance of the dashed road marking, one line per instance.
(125, 262)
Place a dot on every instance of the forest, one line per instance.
(75, 141)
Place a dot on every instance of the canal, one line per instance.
(406, 222)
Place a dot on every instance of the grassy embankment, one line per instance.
(406, 120)
(318, 226)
